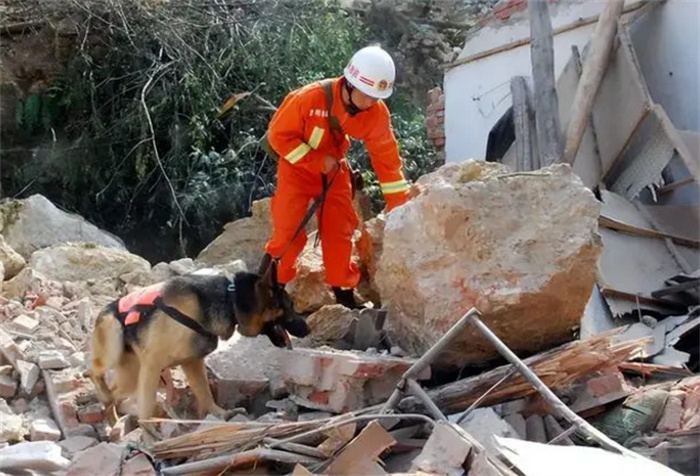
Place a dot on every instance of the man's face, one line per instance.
(361, 100)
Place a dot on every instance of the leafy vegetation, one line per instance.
(144, 150)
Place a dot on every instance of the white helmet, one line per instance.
(372, 71)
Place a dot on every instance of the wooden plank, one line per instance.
(650, 301)
(632, 7)
(593, 70)
(549, 134)
(613, 224)
(676, 288)
(525, 149)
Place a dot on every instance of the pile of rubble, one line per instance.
(518, 249)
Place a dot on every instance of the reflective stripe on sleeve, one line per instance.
(394, 187)
(297, 154)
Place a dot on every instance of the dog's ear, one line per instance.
(268, 270)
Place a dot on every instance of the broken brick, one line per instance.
(8, 386)
(68, 412)
(672, 415)
(28, 376)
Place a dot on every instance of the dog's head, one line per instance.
(263, 307)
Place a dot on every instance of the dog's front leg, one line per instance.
(149, 376)
(196, 374)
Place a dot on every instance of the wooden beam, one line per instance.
(546, 103)
(524, 41)
(593, 70)
(613, 224)
(19, 28)
(525, 132)
(674, 185)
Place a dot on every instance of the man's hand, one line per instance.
(330, 164)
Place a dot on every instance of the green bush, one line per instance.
(168, 190)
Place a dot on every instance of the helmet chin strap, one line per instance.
(351, 108)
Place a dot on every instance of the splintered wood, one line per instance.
(226, 437)
(557, 368)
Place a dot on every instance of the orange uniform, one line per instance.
(300, 133)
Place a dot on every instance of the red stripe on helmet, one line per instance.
(367, 81)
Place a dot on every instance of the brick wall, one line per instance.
(435, 120)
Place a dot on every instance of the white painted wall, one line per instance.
(667, 43)
(477, 94)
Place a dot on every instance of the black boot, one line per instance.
(345, 297)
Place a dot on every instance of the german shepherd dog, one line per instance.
(180, 324)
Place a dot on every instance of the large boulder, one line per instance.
(520, 247)
(243, 239)
(308, 289)
(35, 223)
(85, 261)
(12, 261)
(369, 250)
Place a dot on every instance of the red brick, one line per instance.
(439, 142)
(69, 413)
(320, 397)
(434, 95)
(672, 416)
(91, 414)
(436, 134)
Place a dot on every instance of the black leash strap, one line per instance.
(183, 319)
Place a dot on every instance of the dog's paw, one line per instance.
(235, 412)
(224, 414)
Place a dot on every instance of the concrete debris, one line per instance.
(44, 429)
(245, 368)
(509, 245)
(444, 453)
(12, 426)
(341, 381)
(483, 424)
(101, 460)
(42, 456)
(532, 459)
(76, 444)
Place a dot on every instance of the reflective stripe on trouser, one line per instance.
(296, 188)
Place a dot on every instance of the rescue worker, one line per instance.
(311, 153)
